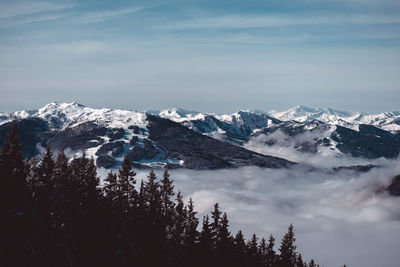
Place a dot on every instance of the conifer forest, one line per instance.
(55, 213)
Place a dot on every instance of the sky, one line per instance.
(212, 56)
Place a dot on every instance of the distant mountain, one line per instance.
(308, 130)
(181, 138)
(388, 121)
(236, 127)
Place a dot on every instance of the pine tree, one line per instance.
(12, 173)
(287, 257)
(90, 183)
(44, 191)
(223, 235)
(215, 226)
(206, 252)
(46, 167)
(152, 195)
(262, 251)
(252, 249)
(239, 253)
(271, 256)
(312, 263)
(111, 188)
(166, 193)
(206, 233)
(180, 217)
(126, 185)
(16, 226)
(300, 261)
(190, 233)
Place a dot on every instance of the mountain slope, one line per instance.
(202, 140)
(149, 141)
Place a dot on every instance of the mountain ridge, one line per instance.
(109, 134)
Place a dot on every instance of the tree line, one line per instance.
(55, 213)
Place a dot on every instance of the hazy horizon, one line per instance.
(153, 110)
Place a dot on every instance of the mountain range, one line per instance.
(180, 138)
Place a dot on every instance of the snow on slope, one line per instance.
(246, 119)
(180, 115)
(63, 115)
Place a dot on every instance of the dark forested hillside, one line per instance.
(54, 213)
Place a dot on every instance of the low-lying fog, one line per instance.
(339, 217)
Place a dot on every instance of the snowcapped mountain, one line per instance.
(108, 135)
(236, 127)
(63, 115)
(181, 138)
(388, 121)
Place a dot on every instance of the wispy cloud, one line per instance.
(262, 21)
(22, 8)
(99, 16)
(81, 47)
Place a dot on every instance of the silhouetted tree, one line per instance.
(287, 257)
(126, 186)
(55, 214)
(270, 256)
(15, 229)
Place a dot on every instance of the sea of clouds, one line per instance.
(340, 217)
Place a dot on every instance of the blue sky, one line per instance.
(216, 56)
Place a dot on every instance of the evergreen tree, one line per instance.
(46, 167)
(180, 217)
(66, 220)
(206, 253)
(262, 251)
(152, 195)
(239, 253)
(111, 188)
(223, 234)
(166, 193)
(126, 185)
(287, 257)
(271, 258)
(252, 251)
(300, 261)
(15, 230)
(12, 173)
(215, 226)
(206, 233)
(312, 263)
(190, 232)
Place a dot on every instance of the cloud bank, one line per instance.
(341, 218)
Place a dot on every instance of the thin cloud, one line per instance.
(99, 16)
(16, 9)
(264, 21)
